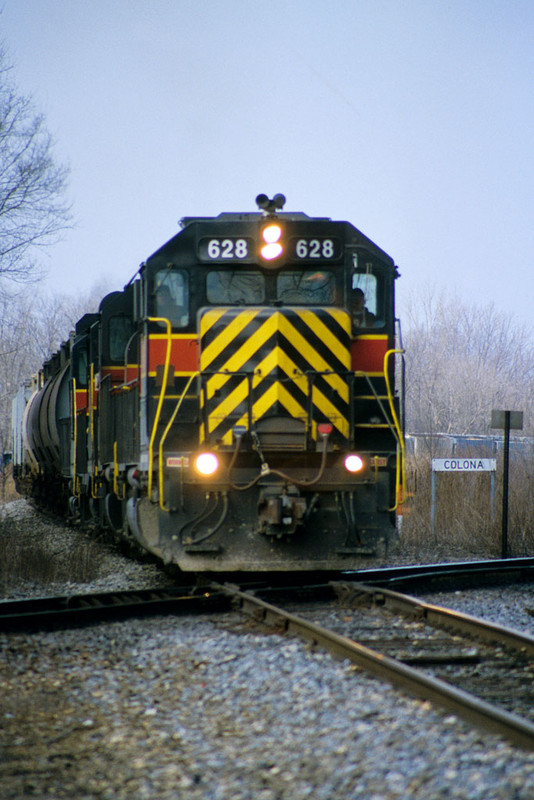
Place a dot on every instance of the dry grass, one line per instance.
(467, 524)
(8, 493)
(25, 561)
(28, 554)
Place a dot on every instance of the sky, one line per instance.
(412, 119)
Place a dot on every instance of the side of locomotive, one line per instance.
(234, 407)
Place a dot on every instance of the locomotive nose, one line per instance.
(260, 364)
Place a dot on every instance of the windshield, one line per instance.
(311, 287)
(236, 288)
(246, 287)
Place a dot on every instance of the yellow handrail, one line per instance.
(160, 401)
(94, 485)
(92, 412)
(164, 436)
(400, 475)
(116, 475)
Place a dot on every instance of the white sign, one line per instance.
(464, 464)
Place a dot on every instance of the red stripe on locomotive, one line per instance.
(184, 353)
(368, 353)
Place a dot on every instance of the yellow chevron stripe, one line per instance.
(209, 318)
(276, 358)
(232, 330)
(324, 333)
(316, 361)
(275, 322)
(279, 358)
(277, 391)
(278, 322)
(240, 357)
(330, 411)
(228, 404)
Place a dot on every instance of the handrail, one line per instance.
(94, 485)
(161, 397)
(116, 475)
(164, 436)
(400, 473)
(126, 350)
(91, 412)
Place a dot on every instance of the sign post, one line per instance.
(507, 420)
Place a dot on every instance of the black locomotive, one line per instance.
(234, 407)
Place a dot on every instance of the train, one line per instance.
(237, 407)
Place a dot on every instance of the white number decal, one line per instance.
(302, 248)
(241, 249)
(227, 248)
(315, 248)
(328, 248)
(214, 248)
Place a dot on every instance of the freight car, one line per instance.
(234, 407)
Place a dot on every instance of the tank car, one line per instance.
(235, 407)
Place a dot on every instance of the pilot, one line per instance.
(361, 316)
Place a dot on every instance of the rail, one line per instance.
(475, 710)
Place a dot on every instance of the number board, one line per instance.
(315, 248)
(243, 248)
(226, 248)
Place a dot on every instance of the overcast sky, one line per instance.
(412, 119)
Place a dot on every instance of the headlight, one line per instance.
(272, 248)
(353, 463)
(206, 464)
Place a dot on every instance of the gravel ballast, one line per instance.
(209, 707)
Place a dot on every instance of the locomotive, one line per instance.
(235, 407)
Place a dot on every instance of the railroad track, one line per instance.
(74, 609)
(441, 667)
(407, 658)
(71, 610)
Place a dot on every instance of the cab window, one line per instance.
(366, 306)
(310, 287)
(120, 330)
(80, 367)
(172, 297)
(235, 288)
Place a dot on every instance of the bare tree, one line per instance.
(461, 362)
(32, 184)
(32, 326)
